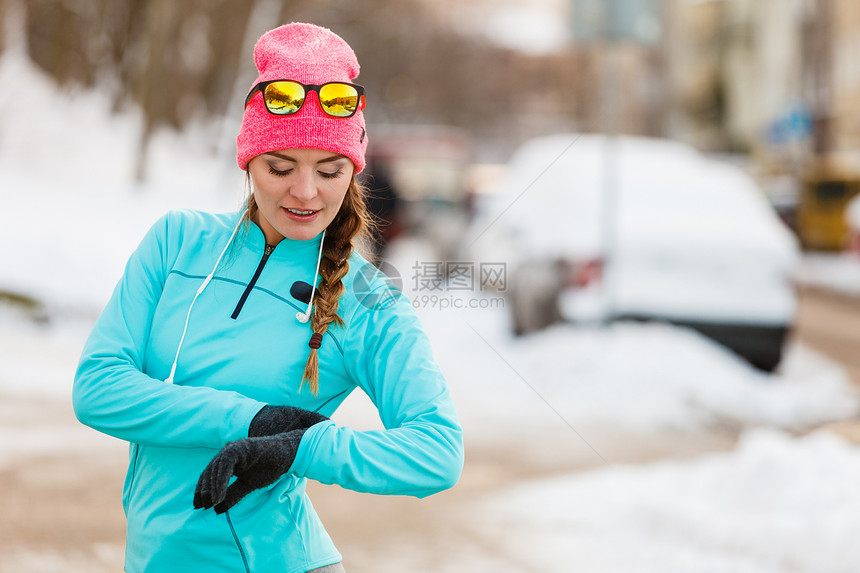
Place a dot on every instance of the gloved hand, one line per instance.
(256, 463)
(273, 420)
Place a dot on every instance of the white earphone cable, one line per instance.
(306, 316)
(200, 290)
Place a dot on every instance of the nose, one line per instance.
(304, 187)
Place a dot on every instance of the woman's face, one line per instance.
(298, 191)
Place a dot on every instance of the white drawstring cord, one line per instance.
(306, 316)
(206, 281)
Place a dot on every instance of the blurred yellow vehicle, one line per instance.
(824, 197)
(852, 218)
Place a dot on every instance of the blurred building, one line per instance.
(779, 81)
(843, 130)
(777, 78)
(735, 74)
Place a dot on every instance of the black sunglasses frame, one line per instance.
(261, 87)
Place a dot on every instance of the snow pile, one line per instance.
(38, 359)
(623, 387)
(630, 379)
(774, 504)
(837, 272)
(655, 375)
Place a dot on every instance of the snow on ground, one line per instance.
(631, 383)
(837, 272)
(106, 555)
(774, 504)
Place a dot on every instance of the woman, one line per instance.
(201, 359)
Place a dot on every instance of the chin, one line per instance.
(305, 234)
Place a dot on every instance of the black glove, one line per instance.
(256, 463)
(273, 420)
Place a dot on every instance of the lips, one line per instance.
(301, 215)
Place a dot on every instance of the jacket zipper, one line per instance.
(266, 252)
(238, 543)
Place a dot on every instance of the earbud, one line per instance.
(302, 291)
(305, 292)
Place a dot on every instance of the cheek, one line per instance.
(262, 196)
(265, 193)
(263, 183)
(339, 196)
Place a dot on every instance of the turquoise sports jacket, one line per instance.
(243, 349)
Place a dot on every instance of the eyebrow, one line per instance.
(334, 157)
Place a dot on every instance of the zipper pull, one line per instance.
(268, 250)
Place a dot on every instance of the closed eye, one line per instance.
(277, 173)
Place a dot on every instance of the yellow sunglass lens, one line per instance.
(287, 97)
(284, 97)
(339, 100)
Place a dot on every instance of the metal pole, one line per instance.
(611, 102)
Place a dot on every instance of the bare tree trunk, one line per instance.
(14, 15)
(264, 16)
(816, 73)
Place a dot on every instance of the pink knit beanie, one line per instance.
(311, 55)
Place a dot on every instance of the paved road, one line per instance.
(830, 323)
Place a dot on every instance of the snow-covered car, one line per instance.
(597, 228)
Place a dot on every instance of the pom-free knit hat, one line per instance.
(311, 55)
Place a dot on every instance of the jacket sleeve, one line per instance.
(421, 450)
(113, 395)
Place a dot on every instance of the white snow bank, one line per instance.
(775, 504)
(653, 375)
(54, 440)
(837, 272)
(596, 389)
(38, 359)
